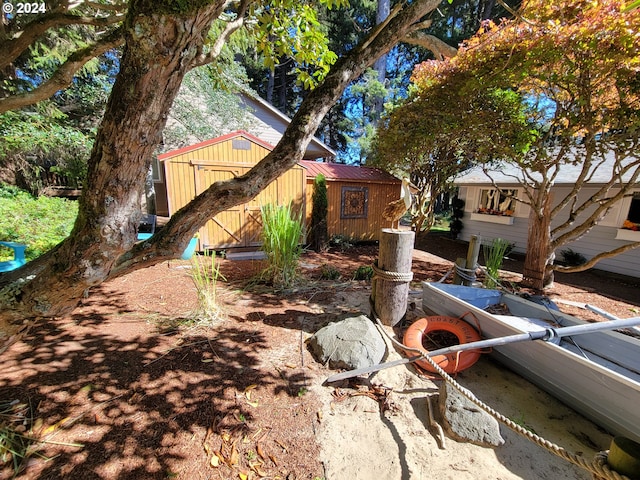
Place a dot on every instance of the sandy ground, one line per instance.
(359, 442)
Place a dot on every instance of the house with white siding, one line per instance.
(491, 214)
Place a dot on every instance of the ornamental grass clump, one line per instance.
(493, 256)
(282, 231)
(205, 273)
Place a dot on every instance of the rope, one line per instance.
(598, 467)
(391, 276)
(468, 274)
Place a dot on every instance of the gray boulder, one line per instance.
(352, 343)
(465, 421)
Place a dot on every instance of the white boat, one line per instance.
(596, 374)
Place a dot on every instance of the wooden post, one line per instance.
(457, 279)
(472, 254)
(390, 291)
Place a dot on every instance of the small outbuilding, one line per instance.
(189, 171)
(356, 197)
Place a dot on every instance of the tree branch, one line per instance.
(592, 261)
(230, 27)
(63, 77)
(21, 41)
(602, 207)
(440, 49)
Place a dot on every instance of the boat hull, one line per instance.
(604, 387)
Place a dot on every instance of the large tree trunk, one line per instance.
(159, 49)
(537, 270)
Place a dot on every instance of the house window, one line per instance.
(633, 217)
(354, 202)
(497, 202)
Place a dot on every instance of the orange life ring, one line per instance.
(452, 362)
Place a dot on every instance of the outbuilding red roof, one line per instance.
(339, 171)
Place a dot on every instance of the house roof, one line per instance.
(508, 173)
(269, 124)
(213, 141)
(338, 171)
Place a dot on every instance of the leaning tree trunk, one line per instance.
(159, 48)
(537, 271)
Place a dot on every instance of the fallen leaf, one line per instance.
(261, 452)
(215, 460)
(37, 425)
(233, 456)
(290, 365)
(253, 404)
(243, 476)
(207, 360)
(274, 460)
(256, 467)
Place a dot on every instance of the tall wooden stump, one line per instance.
(390, 286)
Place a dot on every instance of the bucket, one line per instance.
(191, 248)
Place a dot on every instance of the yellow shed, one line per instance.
(356, 197)
(190, 170)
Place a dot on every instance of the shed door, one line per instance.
(225, 229)
(241, 226)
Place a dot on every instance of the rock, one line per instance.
(464, 421)
(352, 343)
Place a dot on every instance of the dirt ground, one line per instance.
(126, 387)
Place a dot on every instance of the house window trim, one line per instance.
(346, 189)
(627, 235)
(622, 233)
(156, 178)
(490, 217)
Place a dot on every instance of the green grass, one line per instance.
(40, 223)
(205, 274)
(493, 256)
(281, 236)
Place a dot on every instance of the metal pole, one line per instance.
(546, 335)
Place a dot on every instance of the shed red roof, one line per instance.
(338, 171)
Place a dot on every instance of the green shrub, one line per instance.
(364, 272)
(40, 223)
(282, 231)
(572, 258)
(320, 204)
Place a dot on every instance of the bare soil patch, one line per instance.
(125, 388)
